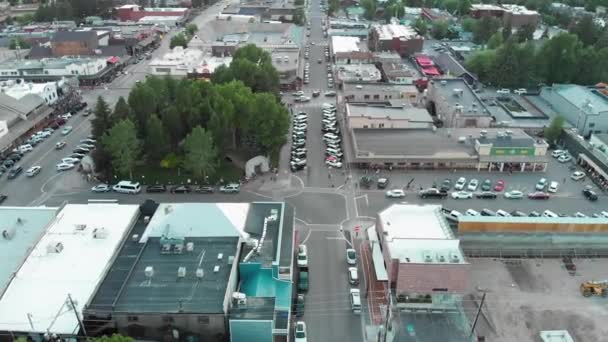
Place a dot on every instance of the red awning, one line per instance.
(113, 60)
(424, 61)
(431, 71)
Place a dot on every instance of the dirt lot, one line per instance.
(525, 297)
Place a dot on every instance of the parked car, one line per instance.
(64, 166)
(564, 158)
(486, 185)
(231, 188)
(14, 172)
(156, 188)
(514, 194)
(433, 193)
(460, 183)
(66, 130)
(101, 188)
(395, 193)
(32, 171)
(473, 184)
(204, 189)
(486, 195)
(300, 332)
(351, 256)
(558, 153)
(462, 195)
(181, 189)
(60, 145)
(541, 184)
(590, 195)
(538, 195)
(499, 186)
(577, 175)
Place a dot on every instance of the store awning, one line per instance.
(113, 60)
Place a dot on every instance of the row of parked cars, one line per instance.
(297, 159)
(453, 214)
(69, 162)
(331, 137)
(129, 187)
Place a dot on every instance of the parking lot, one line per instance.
(524, 297)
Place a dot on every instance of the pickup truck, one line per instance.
(433, 193)
(303, 283)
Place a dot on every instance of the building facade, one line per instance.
(395, 37)
(398, 116)
(74, 43)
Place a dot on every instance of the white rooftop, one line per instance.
(414, 232)
(556, 336)
(486, 7)
(179, 220)
(517, 9)
(344, 44)
(391, 31)
(71, 258)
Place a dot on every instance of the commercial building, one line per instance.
(397, 73)
(477, 149)
(135, 12)
(181, 265)
(342, 44)
(585, 108)
(395, 37)
(53, 69)
(62, 271)
(398, 116)
(436, 15)
(74, 43)
(456, 105)
(289, 66)
(18, 117)
(359, 73)
(380, 93)
(353, 57)
(17, 89)
(421, 254)
(451, 67)
(182, 62)
(515, 15)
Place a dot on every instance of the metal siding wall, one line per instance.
(249, 331)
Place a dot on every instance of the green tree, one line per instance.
(178, 40)
(484, 29)
(197, 3)
(464, 7)
(602, 41)
(101, 121)
(25, 19)
(451, 5)
(587, 30)
(370, 7)
(123, 146)
(201, 156)
(142, 101)
(173, 124)
(157, 141)
(468, 24)
(554, 130)
(113, 338)
(495, 41)
(299, 17)
(334, 6)
(440, 29)
(253, 66)
(481, 64)
(525, 33)
(557, 60)
(507, 30)
(393, 9)
(8, 20)
(191, 29)
(420, 26)
(22, 43)
(121, 110)
(270, 125)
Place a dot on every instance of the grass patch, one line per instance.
(154, 174)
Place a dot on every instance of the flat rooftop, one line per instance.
(359, 89)
(390, 31)
(71, 258)
(403, 112)
(417, 143)
(21, 227)
(527, 296)
(444, 88)
(344, 44)
(577, 95)
(359, 72)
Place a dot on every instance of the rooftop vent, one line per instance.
(100, 233)
(220, 256)
(200, 273)
(216, 268)
(8, 233)
(81, 227)
(149, 272)
(454, 258)
(181, 272)
(427, 257)
(190, 246)
(147, 219)
(168, 209)
(239, 298)
(54, 247)
(440, 257)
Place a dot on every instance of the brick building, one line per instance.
(394, 37)
(517, 16)
(421, 254)
(135, 12)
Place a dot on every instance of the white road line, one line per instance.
(48, 180)
(307, 237)
(302, 221)
(258, 194)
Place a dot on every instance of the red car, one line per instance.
(538, 195)
(500, 185)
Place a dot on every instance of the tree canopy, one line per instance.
(179, 39)
(123, 146)
(554, 130)
(201, 156)
(252, 66)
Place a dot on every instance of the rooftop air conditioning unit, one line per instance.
(147, 219)
(444, 82)
(441, 257)
(220, 256)
(165, 248)
(454, 258)
(181, 272)
(216, 268)
(239, 298)
(178, 248)
(462, 140)
(189, 246)
(81, 226)
(135, 237)
(100, 233)
(8, 233)
(428, 257)
(149, 271)
(200, 273)
(54, 247)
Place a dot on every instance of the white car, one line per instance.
(553, 187)
(351, 256)
(64, 166)
(70, 160)
(460, 183)
(514, 194)
(300, 333)
(333, 163)
(32, 171)
(462, 195)
(302, 256)
(395, 193)
(577, 175)
(557, 153)
(43, 134)
(564, 158)
(101, 188)
(473, 184)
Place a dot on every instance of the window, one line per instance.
(365, 126)
(591, 124)
(376, 97)
(46, 72)
(203, 319)
(132, 318)
(381, 125)
(366, 97)
(168, 319)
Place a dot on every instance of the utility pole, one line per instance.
(483, 299)
(80, 324)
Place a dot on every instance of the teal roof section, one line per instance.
(21, 229)
(182, 220)
(247, 331)
(259, 282)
